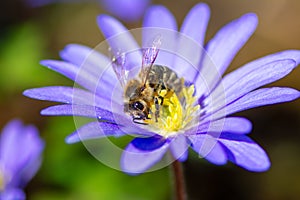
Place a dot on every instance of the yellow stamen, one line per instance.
(174, 114)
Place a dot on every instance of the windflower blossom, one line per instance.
(198, 116)
(20, 158)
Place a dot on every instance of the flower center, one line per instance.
(160, 99)
(174, 113)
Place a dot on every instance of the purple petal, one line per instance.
(209, 148)
(149, 143)
(161, 17)
(232, 78)
(92, 62)
(75, 53)
(244, 152)
(237, 125)
(163, 26)
(120, 39)
(73, 72)
(79, 110)
(94, 130)
(135, 160)
(89, 68)
(127, 10)
(64, 95)
(195, 23)
(179, 148)
(100, 83)
(224, 46)
(239, 73)
(267, 73)
(88, 59)
(260, 97)
(190, 44)
(67, 95)
(30, 169)
(12, 194)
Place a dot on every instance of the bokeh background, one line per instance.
(29, 34)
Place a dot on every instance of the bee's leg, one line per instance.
(136, 120)
(157, 107)
(161, 100)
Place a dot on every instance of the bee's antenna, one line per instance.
(149, 56)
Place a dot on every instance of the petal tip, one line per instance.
(71, 139)
(48, 63)
(26, 93)
(251, 18)
(260, 168)
(104, 19)
(202, 7)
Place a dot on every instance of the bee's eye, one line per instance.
(138, 106)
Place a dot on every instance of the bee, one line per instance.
(152, 86)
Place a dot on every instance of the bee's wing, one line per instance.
(149, 56)
(118, 59)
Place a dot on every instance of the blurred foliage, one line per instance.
(20, 54)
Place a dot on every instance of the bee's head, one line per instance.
(137, 109)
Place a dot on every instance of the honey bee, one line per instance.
(153, 84)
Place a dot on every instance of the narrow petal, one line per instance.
(68, 95)
(63, 94)
(94, 130)
(190, 44)
(224, 46)
(127, 10)
(89, 59)
(209, 148)
(195, 23)
(83, 78)
(260, 97)
(244, 152)
(160, 22)
(31, 168)
(161, 17)
(75, 53)
(135, 160)
(79, 110)
(237, 75)
(100, 83)
(149, 143)
(12, 193)
(9, 139)
(237, 125)
(120, 40)
(179, 148)
(266, 74)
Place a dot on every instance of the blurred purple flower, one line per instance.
(20, 158)
(212, 134)
(127, 10)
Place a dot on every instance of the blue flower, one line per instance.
(20, 158)
(199, 116)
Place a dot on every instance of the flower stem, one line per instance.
(179, 180)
